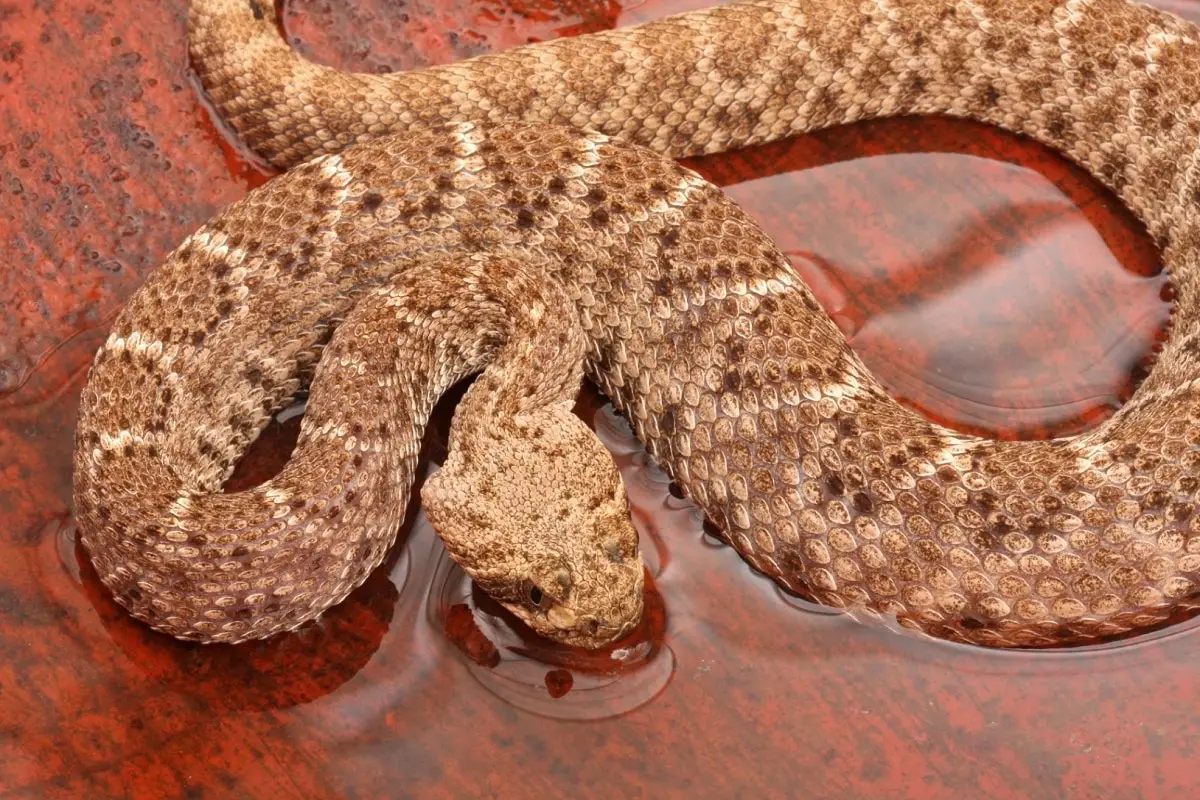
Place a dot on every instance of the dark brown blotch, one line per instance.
(862, 503)
(1179, 512)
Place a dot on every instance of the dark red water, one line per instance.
(989, 284)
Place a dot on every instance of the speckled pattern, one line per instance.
(86, 209)
(697, 327)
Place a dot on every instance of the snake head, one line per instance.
(535, 512)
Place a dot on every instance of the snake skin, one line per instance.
(693, 323)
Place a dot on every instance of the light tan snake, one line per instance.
(518, 214)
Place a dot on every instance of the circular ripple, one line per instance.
(543, 677)
(63, 540)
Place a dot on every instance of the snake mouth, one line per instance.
(563, 625)
(616, 633)
(597, 638)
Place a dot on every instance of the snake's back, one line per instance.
(697, 327)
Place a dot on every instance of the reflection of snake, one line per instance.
(263, 677)
(443, 245)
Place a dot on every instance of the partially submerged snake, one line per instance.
(479, 226)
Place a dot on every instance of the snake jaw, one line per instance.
(567, 626)
(606, 612)
(604, 605)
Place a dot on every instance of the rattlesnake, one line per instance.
(520, 210)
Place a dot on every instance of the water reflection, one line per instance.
(956, 264)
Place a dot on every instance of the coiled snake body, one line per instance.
(518, 214)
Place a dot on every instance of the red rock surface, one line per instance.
(990, 285)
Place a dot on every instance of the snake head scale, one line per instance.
(535, 512)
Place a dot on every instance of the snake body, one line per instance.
(414, 199)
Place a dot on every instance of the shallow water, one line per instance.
(986, 282)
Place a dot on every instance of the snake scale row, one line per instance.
(519, 215)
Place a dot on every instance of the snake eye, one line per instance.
(537, 598)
